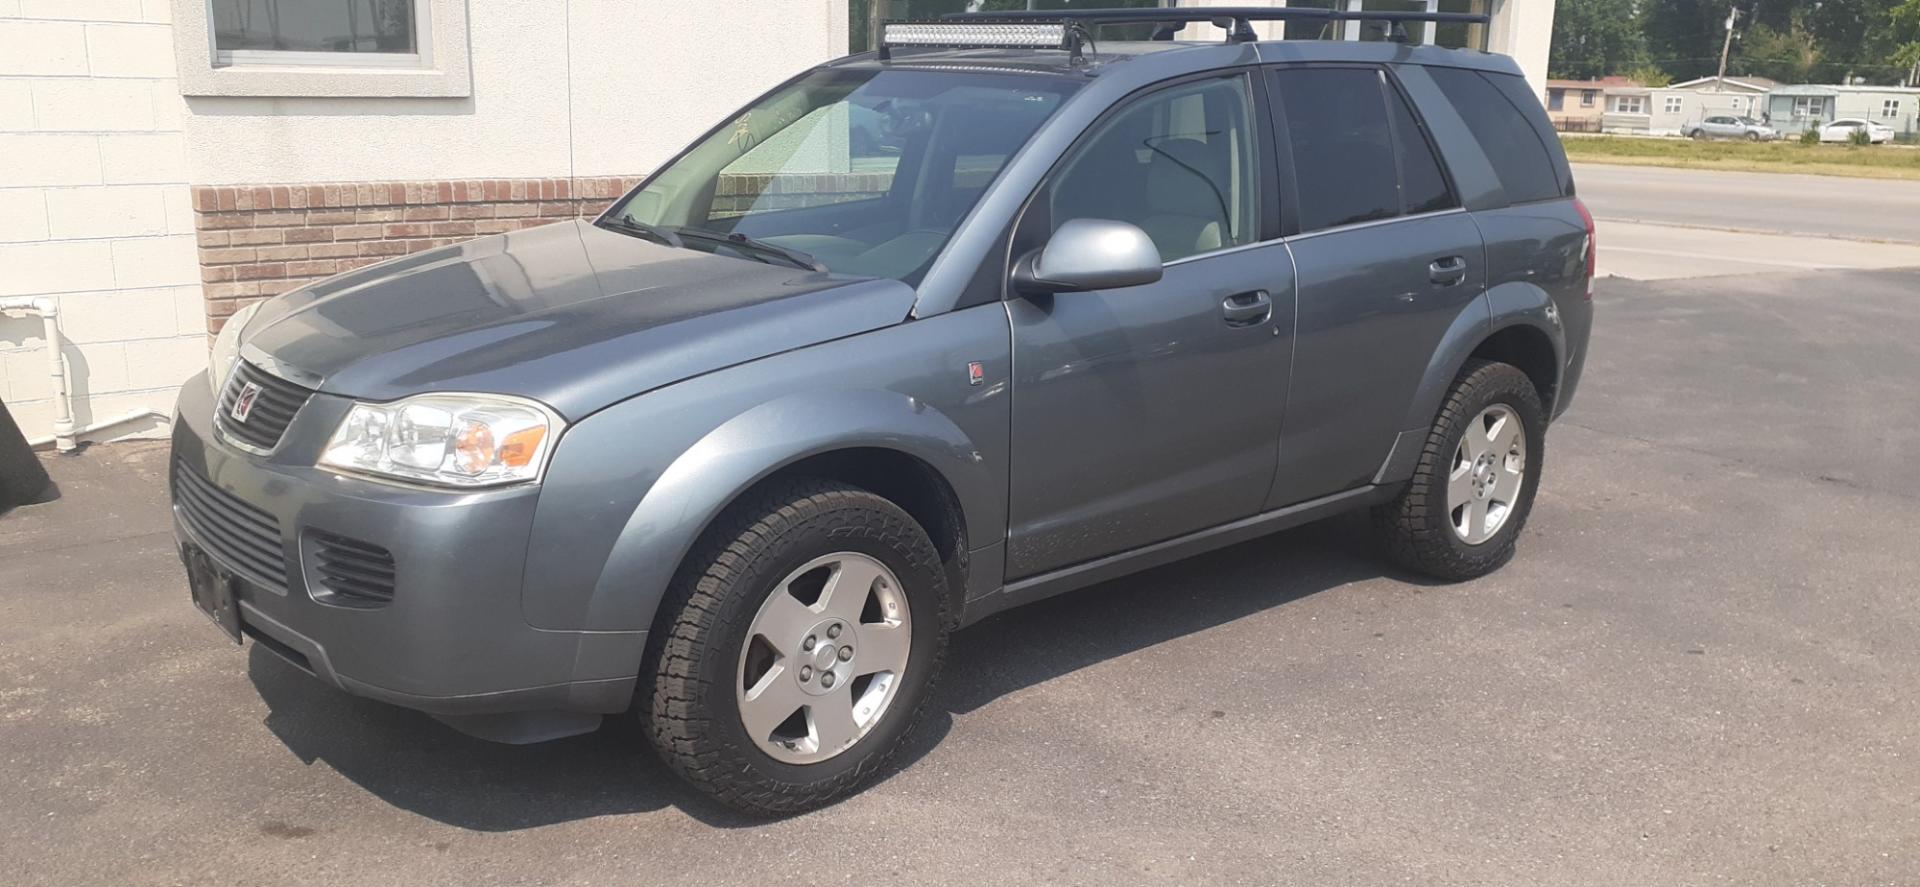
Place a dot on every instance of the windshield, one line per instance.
(864, 172)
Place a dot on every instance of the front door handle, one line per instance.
(1448, 271)
(1247, 309)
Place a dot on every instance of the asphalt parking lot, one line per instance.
(1702, 668)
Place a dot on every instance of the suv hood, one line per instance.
(569, 314)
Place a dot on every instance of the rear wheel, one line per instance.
(805, 634)
(1753, 137)
(1474, 483)
(1699, 135)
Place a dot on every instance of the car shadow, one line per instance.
(413, 762)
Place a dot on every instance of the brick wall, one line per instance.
(262, 240)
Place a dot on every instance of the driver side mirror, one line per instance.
(1089, 254)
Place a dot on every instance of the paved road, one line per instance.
(1658, 224)
(1701, 669)
(1824, 206)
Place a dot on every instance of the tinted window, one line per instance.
(1343, 157)
(1509, 139)
(1178, 163)
(313, 26)
(1423, 189)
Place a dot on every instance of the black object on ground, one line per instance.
(22, 479)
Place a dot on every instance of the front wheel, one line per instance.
(1699, 135)
(1753, 137)
(805, 634)
(1473, 487)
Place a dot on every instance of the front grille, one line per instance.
(236, 533)
(272, 411)
(351, 573)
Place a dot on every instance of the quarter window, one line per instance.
(1514, 146)
(1179, 163)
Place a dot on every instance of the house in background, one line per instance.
(1800, 107)
(1578, 105)
(165, 162)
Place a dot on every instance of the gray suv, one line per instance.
(735, 457)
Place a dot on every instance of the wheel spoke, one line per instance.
(883, 647)
(1476, 520)
(784, 620)
(831, 717)
(1503, 434)
(1460, 485)
(846, 593)
(773, 699)
(1506, 484)
(1475, 440)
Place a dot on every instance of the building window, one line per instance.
(1890, 108)
(1809, 106)
(357, 33)
(1556, 99)
(1629, 104)
(1738, 103)
(1587, 97)
(1674, 104)
(334, 48)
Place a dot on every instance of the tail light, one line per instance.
(1593, 243)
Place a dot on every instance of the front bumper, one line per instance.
(452, 641)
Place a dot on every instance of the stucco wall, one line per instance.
(94, 209)
(588, 88)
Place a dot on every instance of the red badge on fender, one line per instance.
(976, 373)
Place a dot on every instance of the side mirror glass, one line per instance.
(1089, 254)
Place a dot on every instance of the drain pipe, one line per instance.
(22, 306)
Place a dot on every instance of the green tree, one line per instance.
(1789, 56)
(1595, 38)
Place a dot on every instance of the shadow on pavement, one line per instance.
(416, 763)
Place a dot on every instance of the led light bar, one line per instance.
(983, 35)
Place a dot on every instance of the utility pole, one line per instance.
(1733, 15)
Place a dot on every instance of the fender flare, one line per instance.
(729, 460)
(1508, 305)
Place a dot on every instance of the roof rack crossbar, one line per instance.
(1236, 20)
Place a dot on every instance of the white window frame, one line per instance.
(440, 68)
(1889, 109)
(1675, 104)
(1809, 106)
(1588, 97)
(1639, 104)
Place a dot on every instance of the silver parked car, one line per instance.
(1729, 127)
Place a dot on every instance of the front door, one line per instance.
(1145, 413)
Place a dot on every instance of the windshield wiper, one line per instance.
(796, 257)
(626, 222)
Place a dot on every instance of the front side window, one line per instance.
(866, 172)
(1179, 163)
(318, 32)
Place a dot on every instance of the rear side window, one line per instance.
(1359, 154)
(1423, 189)
(1505, 134)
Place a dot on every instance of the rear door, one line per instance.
(1386, 262)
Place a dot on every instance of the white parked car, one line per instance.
(1843, 129)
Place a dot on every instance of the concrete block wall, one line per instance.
(95, 210)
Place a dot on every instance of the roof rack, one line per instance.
(1235, 20)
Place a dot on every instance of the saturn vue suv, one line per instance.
(735, 457)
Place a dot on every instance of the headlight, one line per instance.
(226, 348)
(456, 440)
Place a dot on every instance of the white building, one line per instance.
(163, 162)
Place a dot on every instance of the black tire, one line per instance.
(1753, 137)
(687, 700)
(1415, 529)
(1699, 135)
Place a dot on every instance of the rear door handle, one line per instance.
(1248, 308)
(1448, 271)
